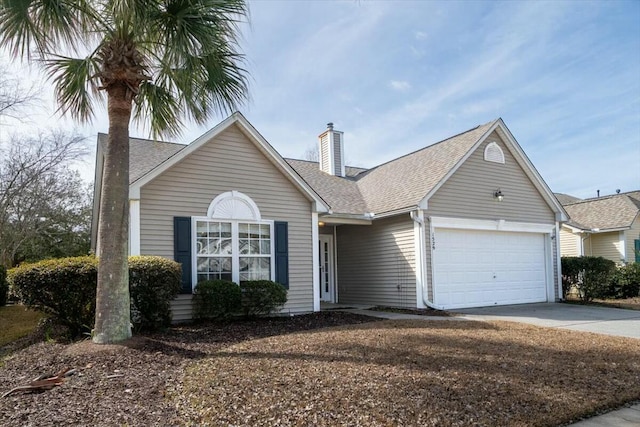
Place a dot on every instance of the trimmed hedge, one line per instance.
(153, 283)
(591, 276)
(66, 289)
(626, 282)
(262, 297)
(4, 286)
(216, 299)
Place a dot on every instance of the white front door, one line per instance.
(327, 291)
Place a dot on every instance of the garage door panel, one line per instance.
(480, 268)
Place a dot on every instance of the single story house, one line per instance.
(465, 222)
(607, 226)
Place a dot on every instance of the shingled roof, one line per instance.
(397, 184)
(613, 212)
(566, 199)
(145, 154)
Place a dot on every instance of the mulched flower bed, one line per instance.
(129, 384)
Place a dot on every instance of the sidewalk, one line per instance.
(625, 417)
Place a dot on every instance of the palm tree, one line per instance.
(162, 61)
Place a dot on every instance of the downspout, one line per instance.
(417, 217)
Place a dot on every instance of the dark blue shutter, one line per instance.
(636, 246)
(182, 249)
(281, 239)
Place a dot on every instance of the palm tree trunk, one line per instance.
(113, 322)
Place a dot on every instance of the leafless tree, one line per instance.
(311, 154)
(40, 194)
(14, 96)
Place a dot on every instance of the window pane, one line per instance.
(203, 265)
(201, 229)
(225, 265)
(265, 263)
(265, 247)
(225, 247)
(255, 231)
(243, 246)
(226, 276)
(225, 229)
(265, 231)
(202, 277)
(214, 229)
(201, 246)
(243, 231)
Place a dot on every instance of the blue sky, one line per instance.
(397, 76)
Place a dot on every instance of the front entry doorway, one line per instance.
(327, 276)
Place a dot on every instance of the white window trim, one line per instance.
(490, 146)
(235, 256)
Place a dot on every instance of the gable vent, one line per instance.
(331, 151)
(493, 153)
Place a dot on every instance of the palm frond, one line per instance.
(45, 24)
(75, 87)
(160, 105)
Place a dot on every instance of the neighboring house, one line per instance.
(607, 226)
(466, 222)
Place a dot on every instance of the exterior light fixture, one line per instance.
(321, 223)
(498, 195)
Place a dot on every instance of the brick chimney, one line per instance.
(331, 152)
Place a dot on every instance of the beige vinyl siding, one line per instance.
(569, 243)
(229, 162)
(337, 154)
(468, 193)
(606, 245)
(631, 235)
(376, 263)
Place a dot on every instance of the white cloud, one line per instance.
(400, 85)
(420, 35)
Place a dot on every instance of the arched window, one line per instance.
(493, 153)
(233, 242)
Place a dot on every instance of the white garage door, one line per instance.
(483, 268)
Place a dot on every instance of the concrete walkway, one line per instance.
(603, 320)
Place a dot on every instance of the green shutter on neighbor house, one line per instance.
(281, 239)
(636, 245)
(182, 249)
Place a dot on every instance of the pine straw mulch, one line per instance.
(289, 372)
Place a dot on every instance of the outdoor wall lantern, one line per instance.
(498, 195)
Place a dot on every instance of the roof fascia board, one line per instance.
(575, 229)
(257, 139)
(332, 220)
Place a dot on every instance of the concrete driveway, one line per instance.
(601, 320)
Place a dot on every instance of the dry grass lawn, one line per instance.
(427, 373)
(17, 321)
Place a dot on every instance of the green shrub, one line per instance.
(4, 286)
(216, 299)
(153, 283)
(626, 281)
(262, 297)
(591, 276)
(65, 288)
